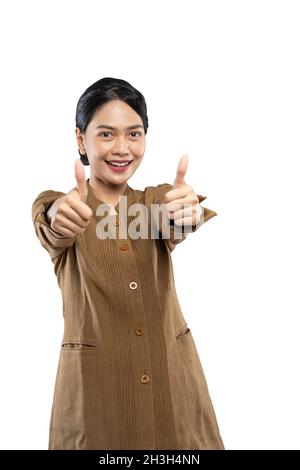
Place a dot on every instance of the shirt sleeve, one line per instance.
(173, 234)
(52, 241)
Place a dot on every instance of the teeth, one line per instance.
(118, 164)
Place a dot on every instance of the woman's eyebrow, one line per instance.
(113, 128)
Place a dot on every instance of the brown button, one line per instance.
(139, 331)
(116, 222)
(145, 379)
(124, 247)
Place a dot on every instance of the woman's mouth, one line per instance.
(117, 165)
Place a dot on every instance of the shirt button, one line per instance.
(139, 331)
(133, 285)
(145, 379)
(115, 222)
(124, 247)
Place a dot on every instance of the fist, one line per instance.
(69, 214)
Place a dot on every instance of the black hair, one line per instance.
(104, 90)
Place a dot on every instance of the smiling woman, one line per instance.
(129, 376)
(111, 124)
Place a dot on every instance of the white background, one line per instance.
(221, 82)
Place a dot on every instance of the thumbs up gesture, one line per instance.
(69, 214)
(182, 202)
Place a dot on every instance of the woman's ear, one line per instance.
(80, 141)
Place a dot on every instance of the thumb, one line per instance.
(181, 171)
(80, 180)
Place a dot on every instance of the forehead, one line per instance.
(116, 113)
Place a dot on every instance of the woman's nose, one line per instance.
(121, 145)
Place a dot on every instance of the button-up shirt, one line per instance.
(129, 375)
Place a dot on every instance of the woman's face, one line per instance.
(116, 132)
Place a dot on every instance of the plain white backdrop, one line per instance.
(221, 82)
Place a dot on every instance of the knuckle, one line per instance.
(68, 198)
(64, 207)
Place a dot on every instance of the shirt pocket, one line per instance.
(71, 345)
(204, 430)
(183, 333)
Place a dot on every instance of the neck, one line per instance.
(107, 192)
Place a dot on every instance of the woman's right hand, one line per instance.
(68, 214)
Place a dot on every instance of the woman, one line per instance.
(129, 375)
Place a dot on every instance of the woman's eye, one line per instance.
(137, 133)
(104, 132)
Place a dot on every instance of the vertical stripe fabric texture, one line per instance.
(129, 375)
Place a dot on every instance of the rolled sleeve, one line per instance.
(52, 241)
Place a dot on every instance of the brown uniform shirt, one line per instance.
(129, 375)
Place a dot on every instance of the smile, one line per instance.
(118, 166)
(119, 163)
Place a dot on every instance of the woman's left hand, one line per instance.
(182, 202)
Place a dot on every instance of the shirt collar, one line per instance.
(94, 201)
